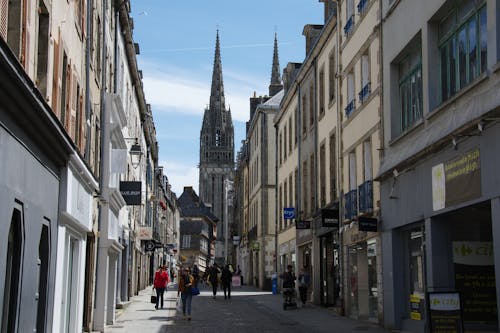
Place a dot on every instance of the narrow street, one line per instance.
(248, 310)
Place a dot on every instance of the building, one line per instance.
(360, 149)
(198, 231)
(70, 68)
(438, 176)
(217, 153)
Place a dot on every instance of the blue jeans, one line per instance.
(159, 294)
(186, 302)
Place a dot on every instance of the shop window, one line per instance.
(416, 274)
(43, 273)
(462, 47)
(13, 274)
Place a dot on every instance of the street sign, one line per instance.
(288, 213)
(367, 223)
(330, 218)
(149, 245)
(301, 224)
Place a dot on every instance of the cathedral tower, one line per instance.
(216, 149)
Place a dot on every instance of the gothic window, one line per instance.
(217, 138)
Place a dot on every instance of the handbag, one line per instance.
(195, 291)
(153, 297)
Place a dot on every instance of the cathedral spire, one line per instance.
(276, 84)
(217, 101)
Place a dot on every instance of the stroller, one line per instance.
(289, 298)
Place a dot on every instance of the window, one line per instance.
(312, 178)
(352, 171)
(349, 17)
(304, 188)
(311, 107)
(365, 78)
(280, 217)
(462, 47)
(285, 137)
(186, 241)
(322, 92)
(350, 95)
(333, 169)
(280, 148)
(304, 114)
(367, 152)
(331, 76)
(410, 87)
(290, 196)
(290, 137)
(322, 176)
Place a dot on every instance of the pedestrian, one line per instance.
(288, 284)
(238, 272)
(226, 279)
(304, 281)
(213, 278)
(160, 284)
(196, 272)
(186, 283)
(288, 277)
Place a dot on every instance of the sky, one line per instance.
(177, 47)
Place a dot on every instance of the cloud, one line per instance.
(178, 90)
(180, 175)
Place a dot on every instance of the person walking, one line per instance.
(196, 273)
(186, 283)
(304, 281)
(213, 278)
(160, 284)
(226, 280)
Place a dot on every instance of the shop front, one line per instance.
(449, 243)
(330, 270)
(362, 285)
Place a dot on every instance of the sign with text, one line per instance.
(367, 223)
(288, 213)
(475, 281)
(131, 192)
(445, 312)
(457, 180)
(330, 218)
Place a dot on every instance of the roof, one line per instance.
(192, 206)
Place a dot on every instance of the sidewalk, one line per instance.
(249, 310)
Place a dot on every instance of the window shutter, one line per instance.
(67, 102)
(84, 15)
(73, 104)
(82, 136)
(4, 15)
(55, 78)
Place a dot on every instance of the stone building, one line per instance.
(217, 154)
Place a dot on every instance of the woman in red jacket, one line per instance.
(160, 284)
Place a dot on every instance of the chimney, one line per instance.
(312, 33)
(289, 74)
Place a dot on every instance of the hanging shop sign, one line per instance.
(445, 312)
(288, 213)
(131, 192)
(330, 218)
(457, 180)
(367, 223)
(149, 245)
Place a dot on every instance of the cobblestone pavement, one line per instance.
(248, 310)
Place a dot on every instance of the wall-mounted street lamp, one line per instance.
(135, 154)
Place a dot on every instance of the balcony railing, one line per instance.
(351, 204)
(365, 92)
(362, 6)
(366, 196)
(350, 108)
(349, 25)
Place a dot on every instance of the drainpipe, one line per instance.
(101, 291)
(87, 80)
(339, 161)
